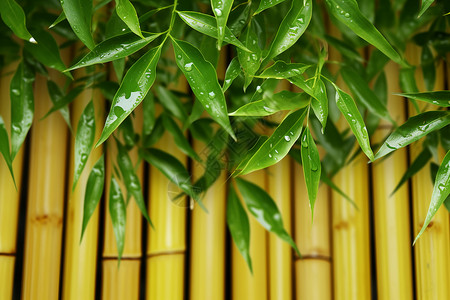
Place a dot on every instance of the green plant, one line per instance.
(136, 41)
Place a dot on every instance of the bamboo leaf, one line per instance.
(249, 61)
(61, 101)
(22, 106)
(441, 191)
(264, 209)
(265, 4)
(221, 9)
(311, 167)
(135, 85)
(202, 78)
(347, 12)
(207, 25)
(278, 144)
(284, 100)
(361, 90)
(232, 72)
(149, 115)
(291, 29)
(171, 103)
(319, 102)
(79, 16)
(94, 191)
(4, 147)
(413, 129)
(425, 5)
(125, 10)
(131, 180)
(14, 17)
(118, 213)
(239, 226)
(282, 70)
(428, 67)
(179, 138)
(84, 140)
(441, 98)
(114, 48)
(419, 162)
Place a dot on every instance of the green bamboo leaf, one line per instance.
(425, 5)
(135, 85)
(249, 61)
(347, 12)
(291, 29)
(207, 25)
(301, 83)
(441, 98)
(278, 144)
(361, 90)
(94, 191)
(114, 48)
(221, 9)
(265, 4)
(282, 70)
(351, 113)
(59, 19)
(202, 78)
(264, 209)
(131, 180)
(118, 213)
(319, 102)
(232, 72)
(419, 162)
(125, 10)
(84, 140)
(344, 48)
(324, 178)
(311, 167)
(57, 97)
(441, 191)
(171, 103)
(4, 147)
(22, 106)
(149, 115)
(261, 140)
(170, 167)
(180, 139)
(414, 129)
(284, 100)
(46, 50)
(408, 84)
(14, 17)
(79, 16)
(239, 226)
(428, 67)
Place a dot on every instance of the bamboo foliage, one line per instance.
(9, 196)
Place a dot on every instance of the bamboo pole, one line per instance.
(280, 253)
(431, 252)
(391, 213)
(207, 255)
(9, 196)
(123, 282)
(167, 241)
(45, 204)
(80, 259)
(244, 284)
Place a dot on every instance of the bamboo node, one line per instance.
(47, 219)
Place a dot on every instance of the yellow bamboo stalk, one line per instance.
(123, 283)
(207, 261)
(313, 271)
(9, 196)
(167, 242)
(431, 252)
(81, 258)
(391, 213)
(244, 284)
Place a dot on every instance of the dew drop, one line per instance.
(287, 138)
(211, 95)
(347, 15)
(218, 12)
(32, 40)
(259, 89)
(305, 141)
(188, 66)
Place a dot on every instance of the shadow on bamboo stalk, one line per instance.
(9, 195)
(46, 194)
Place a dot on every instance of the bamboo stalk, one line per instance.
(431, 252)
(45, 204)
(207, 261)
(80, 258)
(244, 284)
(123, 283)
(391, 213)
(313, 270)
(9, 196)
